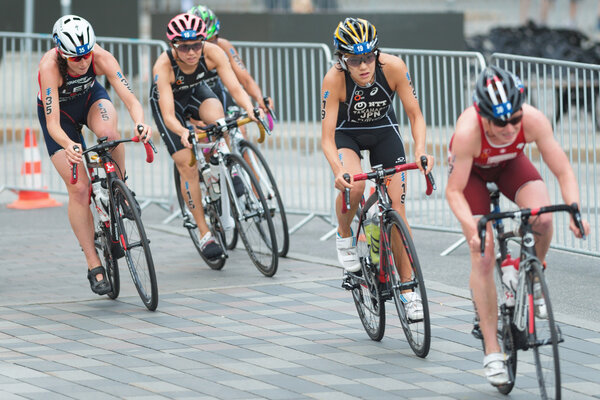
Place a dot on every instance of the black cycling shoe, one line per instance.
(100, 287)
(238, 186)
(209, 248)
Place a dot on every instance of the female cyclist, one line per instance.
(69, 97)
(179, 92)
(357, 115)
(212, 78)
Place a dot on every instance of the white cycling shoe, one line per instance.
(347, 254)
(413, 305)
(494, 365)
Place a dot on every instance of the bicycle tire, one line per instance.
(102, 242)
(545, 335)
(254, 224)
(418, 332)
(366, 289)
(190, 225)
(272, 196)
(506, 334)
(135, 243)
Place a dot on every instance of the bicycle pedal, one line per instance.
(348, 285)
(476, 332)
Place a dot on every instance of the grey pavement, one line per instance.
(234, 334)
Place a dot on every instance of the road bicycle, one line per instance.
(237, 194)
(529, 324)
(255, 159)
(377, 282)
(119, 231)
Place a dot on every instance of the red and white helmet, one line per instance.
(186, 27)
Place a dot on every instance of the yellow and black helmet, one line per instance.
(355, 36)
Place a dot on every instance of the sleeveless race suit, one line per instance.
(505, 165)
(76, 96)
(366, 121)
(189, 91)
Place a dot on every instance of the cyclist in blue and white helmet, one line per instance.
(70, 96)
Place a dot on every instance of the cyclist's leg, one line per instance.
(101, 118)
(521, 182)
(80, 215)
(190, 187)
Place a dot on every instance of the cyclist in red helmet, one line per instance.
(487, 146)
(179, 92)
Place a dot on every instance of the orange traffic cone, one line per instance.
(31, 174)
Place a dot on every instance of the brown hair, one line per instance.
(62, 66)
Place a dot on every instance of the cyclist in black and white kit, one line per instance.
(357, 114)
(179, 92)
(213, 81)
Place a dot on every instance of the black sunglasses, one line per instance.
(501, 124)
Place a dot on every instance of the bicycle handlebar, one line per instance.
(104, 146)
(230, 123)
(380, 173)
(399, 168)
(524, 214)
(271, 116)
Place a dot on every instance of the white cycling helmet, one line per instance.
(73, 35)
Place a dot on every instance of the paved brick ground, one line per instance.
(230, 334)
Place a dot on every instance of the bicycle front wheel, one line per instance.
(544, 332)
(135, 243)
(251, 214)
(366, 291)
(266, 180)
(397, 241)
(189, 224)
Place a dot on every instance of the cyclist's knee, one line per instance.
(543, 224)
(79, 192)
(357, 191)
(107, 132)
(187, 172)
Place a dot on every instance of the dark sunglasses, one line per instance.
(79, 58)
(501, 124)
(355, 61)
(185, 48)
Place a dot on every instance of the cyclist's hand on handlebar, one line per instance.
(266, 104)
(185, 138)
(251, 114)
(575, 229)
(143, 131)
(430, 161)
(73, 152)
(341, 183)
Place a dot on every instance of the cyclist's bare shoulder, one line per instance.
(224, 44)
(335, 82)
(391, 62)
(49, 62)
(536, 125)
(104, 62)
(467, 135)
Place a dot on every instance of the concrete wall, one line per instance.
(437, 31)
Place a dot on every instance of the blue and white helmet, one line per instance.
(73, 35)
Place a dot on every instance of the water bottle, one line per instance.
(372, 233)
(510, 278)
(101, 196)
(211, 178)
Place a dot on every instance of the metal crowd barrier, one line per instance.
(292, 73)
(19, 58)
(567, 93)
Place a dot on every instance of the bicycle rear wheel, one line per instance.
(398, 240)
(545, 333)
(266, 180)
(366, 291)
(252, 216)
(212, 219)
(103, 243)
(135, 244)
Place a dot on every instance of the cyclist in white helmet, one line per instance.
(69, 97)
